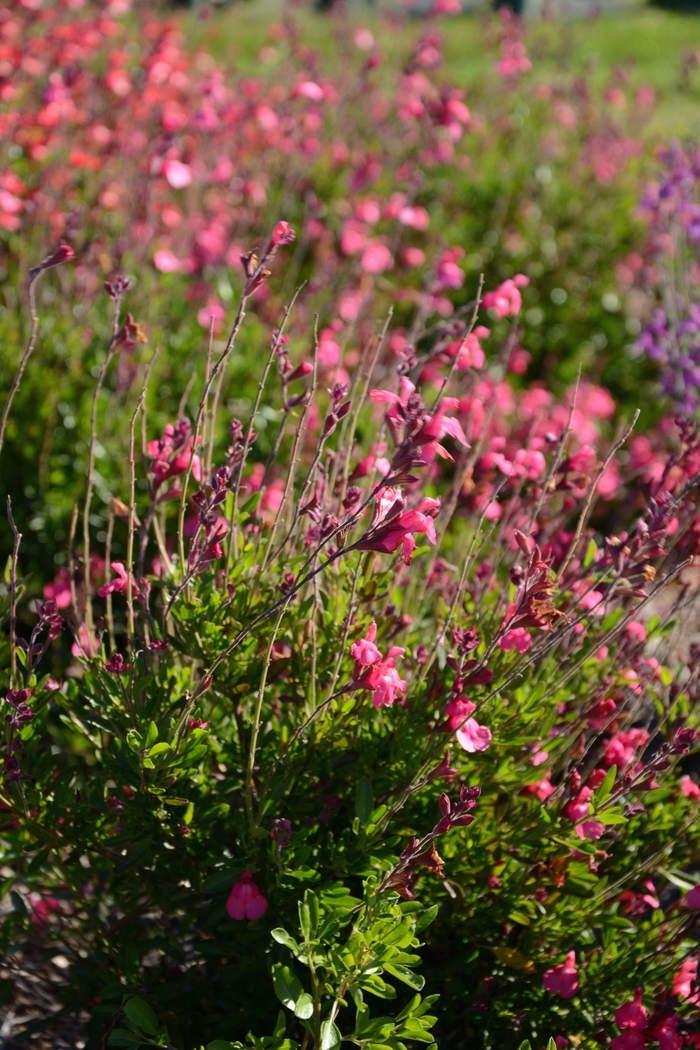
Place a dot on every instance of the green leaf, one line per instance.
(377, 986)
(364, 801)
(224, 1044)
(221, 880)
(606, 787)
(282, 937)
(612, 816)
(120, 1037)
(159, 749)
(134, 741)
(409, 1009)
(151, 735)
(330, 1036)
(287, 985)
(551, 1045)
(304, 1008)
(525, 1045)
(426, 918)
(141, 1015)
(589, 556)
(403, 973)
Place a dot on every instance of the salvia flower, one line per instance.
(562, 980)
(374, 672)
(245, 900)
(393, 526)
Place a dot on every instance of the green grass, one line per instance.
(648, 46)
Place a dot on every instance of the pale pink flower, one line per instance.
(563, 979)
(309, 89)
(166, 261)
(177, 174)
(245, 900)
(473, 737)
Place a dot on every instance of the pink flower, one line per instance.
(448, 273)
(433, 427)
(518, 638)
(85, 644)
(632, 1015)
(309, 89)
(693, 898)
(374, 672)
(629, 1040)
(563, 979)
(166, 261)
(376, 258)
(120, 584)
(507, 301)
(687, 785)
(622, 748)
(542, 789)
(178, 174)
(685, 981)
(392, 526)
(59, 590)
(282, 234)
(590, 829)
(365, 651)
(458, 710)
(384, 678)
(473, 737)
(246, 901)
(578, 807)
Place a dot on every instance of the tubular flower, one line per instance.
(245, 900)
(392, 526)
(562, 980)
(377, 673)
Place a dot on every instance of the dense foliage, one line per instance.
(351, 678)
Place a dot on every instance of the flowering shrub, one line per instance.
(380, 732)
(350, 676)
(149, 158)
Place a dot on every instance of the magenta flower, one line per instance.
(632, 1015)
(120, 584)
(245, 900)
(629, 1040)
(563, 979)
(693, 898)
